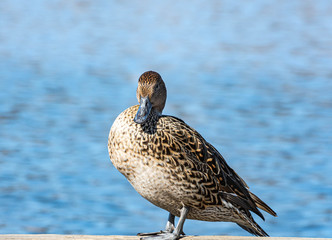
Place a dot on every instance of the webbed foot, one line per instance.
(170, 233)
(150, 234)
(162, 236)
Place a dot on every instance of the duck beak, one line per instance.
(144, 109)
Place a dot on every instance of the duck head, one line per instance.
(151, 94)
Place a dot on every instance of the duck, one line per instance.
(172, 166)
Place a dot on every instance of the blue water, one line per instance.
(254, 78)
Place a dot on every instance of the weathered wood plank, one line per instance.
(117, 237)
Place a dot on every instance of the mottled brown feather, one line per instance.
(172, 165)
(219, 179)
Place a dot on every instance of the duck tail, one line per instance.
(248, 223)
(254, 229)
(262, 205)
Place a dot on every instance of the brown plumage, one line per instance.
(174, 167)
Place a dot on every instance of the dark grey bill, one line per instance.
(144, 109)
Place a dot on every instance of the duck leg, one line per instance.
(176, 233)
(169, 227)
(170, 223)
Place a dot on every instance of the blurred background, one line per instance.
(253, 77)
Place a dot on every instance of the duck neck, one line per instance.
(150, 125)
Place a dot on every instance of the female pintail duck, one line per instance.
(175, 168)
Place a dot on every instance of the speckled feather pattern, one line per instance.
(171, 165)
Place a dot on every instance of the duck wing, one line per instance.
(216, 180)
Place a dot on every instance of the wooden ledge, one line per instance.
(117, 237)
